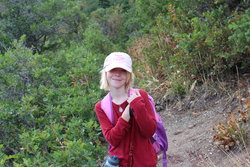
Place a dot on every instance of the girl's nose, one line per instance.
(117, 73)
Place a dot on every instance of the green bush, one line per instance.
(47, 106)
(59, 145)
(240, 39)
(96, 41)
(47, 24)
(204, 40)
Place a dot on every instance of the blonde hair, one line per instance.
(105, 85)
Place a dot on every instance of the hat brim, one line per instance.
(118, 65)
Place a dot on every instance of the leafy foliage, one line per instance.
(46, 24)
(51, 53)
(194, 39)
(240, 39)
(47, 105)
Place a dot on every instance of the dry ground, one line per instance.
(189, 123)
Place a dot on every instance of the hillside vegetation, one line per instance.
(51, 52)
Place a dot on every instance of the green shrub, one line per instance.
(3, 157)
(204, 40)
(240, 40)
(96, 41)
(52, 118)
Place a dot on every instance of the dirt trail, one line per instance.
(189, 125)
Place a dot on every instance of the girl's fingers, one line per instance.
(133, 96)
(138, 93)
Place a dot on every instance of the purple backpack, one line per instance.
(159, 139)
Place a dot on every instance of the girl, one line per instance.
(134, 122)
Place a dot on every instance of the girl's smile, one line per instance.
(117, 77)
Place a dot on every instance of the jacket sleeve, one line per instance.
(112, 133)
(144, 115)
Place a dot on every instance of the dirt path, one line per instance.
(190, 133)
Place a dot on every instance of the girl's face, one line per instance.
(117, 78)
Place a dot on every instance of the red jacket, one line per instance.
(119, 135)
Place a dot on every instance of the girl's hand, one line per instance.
(133, 96)
(125, 114)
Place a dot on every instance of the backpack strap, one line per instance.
(163, 145)
(164, 159)
(106, 105)
(163, 142)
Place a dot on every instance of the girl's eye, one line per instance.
(118, 70)
(112, 70)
